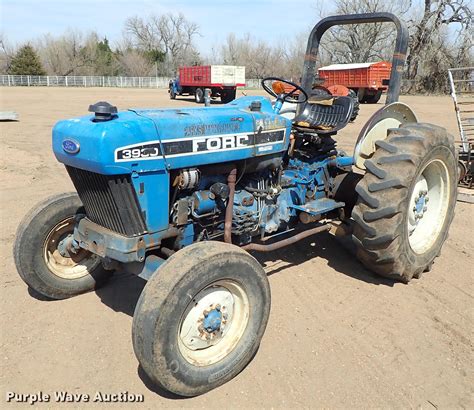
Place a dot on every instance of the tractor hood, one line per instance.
(156, 139)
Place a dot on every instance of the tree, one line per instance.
(71, 53)
(26, 62)
(169, 36)
(6, 54)
(134, 63)
(361, 43)
(105, 59)
(429, 46)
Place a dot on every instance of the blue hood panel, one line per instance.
(145, 140)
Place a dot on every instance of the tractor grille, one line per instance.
(109, 201)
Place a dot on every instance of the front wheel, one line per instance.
(199, 95)
(200, 318)
(406, 201)
(44, 255)
(172, 93)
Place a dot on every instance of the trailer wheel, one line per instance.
(43, 255)
(406, 201)
(199, 95)
(227, 96)
(356, 108)
(200, 317)
(372, 98)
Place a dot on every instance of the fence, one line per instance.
(94, 81)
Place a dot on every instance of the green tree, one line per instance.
(105, 63)
(26, 62)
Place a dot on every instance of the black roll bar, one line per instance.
(399, 54)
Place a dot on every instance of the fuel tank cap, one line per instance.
(103, 111)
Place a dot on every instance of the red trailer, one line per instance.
(368, 80)
(222, 80)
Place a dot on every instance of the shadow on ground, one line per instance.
(338, 252)
(121, 293)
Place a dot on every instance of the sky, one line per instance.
(270, 20)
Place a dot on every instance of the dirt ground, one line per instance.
(338, 337)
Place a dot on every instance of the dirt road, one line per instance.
(338, 337)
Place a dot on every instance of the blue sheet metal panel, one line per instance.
(136, 140)
(98, 140)
(153, 196)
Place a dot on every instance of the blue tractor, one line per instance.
(180, 196)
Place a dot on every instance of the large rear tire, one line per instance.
(406, 201)
(41, 257)
(200, 317)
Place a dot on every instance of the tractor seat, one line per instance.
(325, 119)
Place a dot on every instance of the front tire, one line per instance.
(42, 261)
(406, 201)
(200, 318)
(199, 95)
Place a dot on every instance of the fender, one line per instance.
(390, 116)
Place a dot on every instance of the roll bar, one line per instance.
(398, 59)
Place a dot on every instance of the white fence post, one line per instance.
(28, 79)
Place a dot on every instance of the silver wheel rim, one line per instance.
(77, 265)
(213, 323)
(428, 206)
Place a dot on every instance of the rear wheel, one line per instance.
(356, 108)
(406, 201)
(44, 253)
(372, 98)
(227, 96)
(199, 95)
(200, 318)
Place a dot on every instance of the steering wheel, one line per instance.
(284, 96)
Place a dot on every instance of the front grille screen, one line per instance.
(109, 201)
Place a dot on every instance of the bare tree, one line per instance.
(134, 63)
(170, 34)
(428, 38)
(71, 53)
(6, 54)
(361, 42)
(259, 58)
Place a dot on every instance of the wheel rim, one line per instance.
(213, 323)
(78, 264)
(428, 206)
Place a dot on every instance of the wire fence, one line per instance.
(94, 81)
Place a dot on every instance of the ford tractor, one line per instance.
(183, 197)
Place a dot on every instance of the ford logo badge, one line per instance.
(71, 146)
